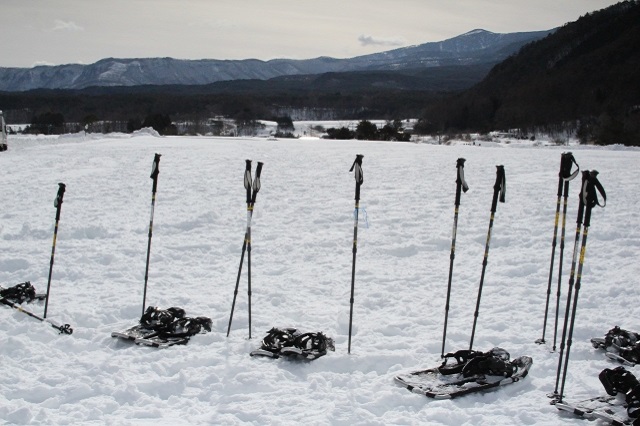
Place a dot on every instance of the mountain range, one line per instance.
(477, 48)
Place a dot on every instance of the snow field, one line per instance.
(302, 232)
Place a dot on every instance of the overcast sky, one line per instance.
(53, 32)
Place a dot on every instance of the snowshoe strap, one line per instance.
(617, 380)
(313, 342)
(495, 362)
(187, 327)
(462, 357)
(160, 320)
(621, 380)
(620, 337)
(278, 338)
(19, 293)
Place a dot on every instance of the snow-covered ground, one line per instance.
(301, 276)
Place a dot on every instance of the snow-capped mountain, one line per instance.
(477, 46)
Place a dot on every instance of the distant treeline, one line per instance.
(583, 78)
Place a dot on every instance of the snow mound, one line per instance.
(146, 131)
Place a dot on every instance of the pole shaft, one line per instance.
(573, 309)
(53, 252)
(58, 205)
(249, 272)
(560, 262)
(235, 292)
(553, 254)
(353, 266)
(146, 268)
(484, 268)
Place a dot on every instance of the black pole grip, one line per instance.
(565, 167)
(583, 187)
(461, 184)
(359, 176)
(155, 170)
(560, 174)
(58, 201)
(256, 182)
(499, 187)
(247, 180)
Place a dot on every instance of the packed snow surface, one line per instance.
(302, 235)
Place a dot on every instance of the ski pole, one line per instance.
(58, 205)
(357, 165)
(251, 199)
(461, 184)
(247, 186)
(564, 177)
(256, 188)
(574, 262)
(568, 177)
(155, 170)
(499, 188)
(590, 200)
(63, 329)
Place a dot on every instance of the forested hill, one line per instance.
(586, 72)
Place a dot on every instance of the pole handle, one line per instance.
(461, 184)
(592, 188)
(247, 179)
(566, 163)
(57, 203)
(359, 176)
(155, 170)
(256, 182)
(499, 188)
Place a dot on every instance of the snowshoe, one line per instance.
(613, 407)
(473, 372)
(620, 345)
(608, 408)
(292, 343)
(152, 322)
(20, 293)
(178, 333)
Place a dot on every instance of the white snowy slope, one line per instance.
(301, 275)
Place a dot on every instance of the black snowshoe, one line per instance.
(620, 345)
(164, 327)
(293, 343)
(20, 293)
(611, 408)
(465, 372)
(177, 332)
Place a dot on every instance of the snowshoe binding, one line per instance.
(309, 346)
(20, 293)
(621, 405)
(620, 345)
(152, 322)
(292, 343)
(178, 332)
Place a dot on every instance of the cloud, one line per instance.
(61, 25)
(367, 40)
